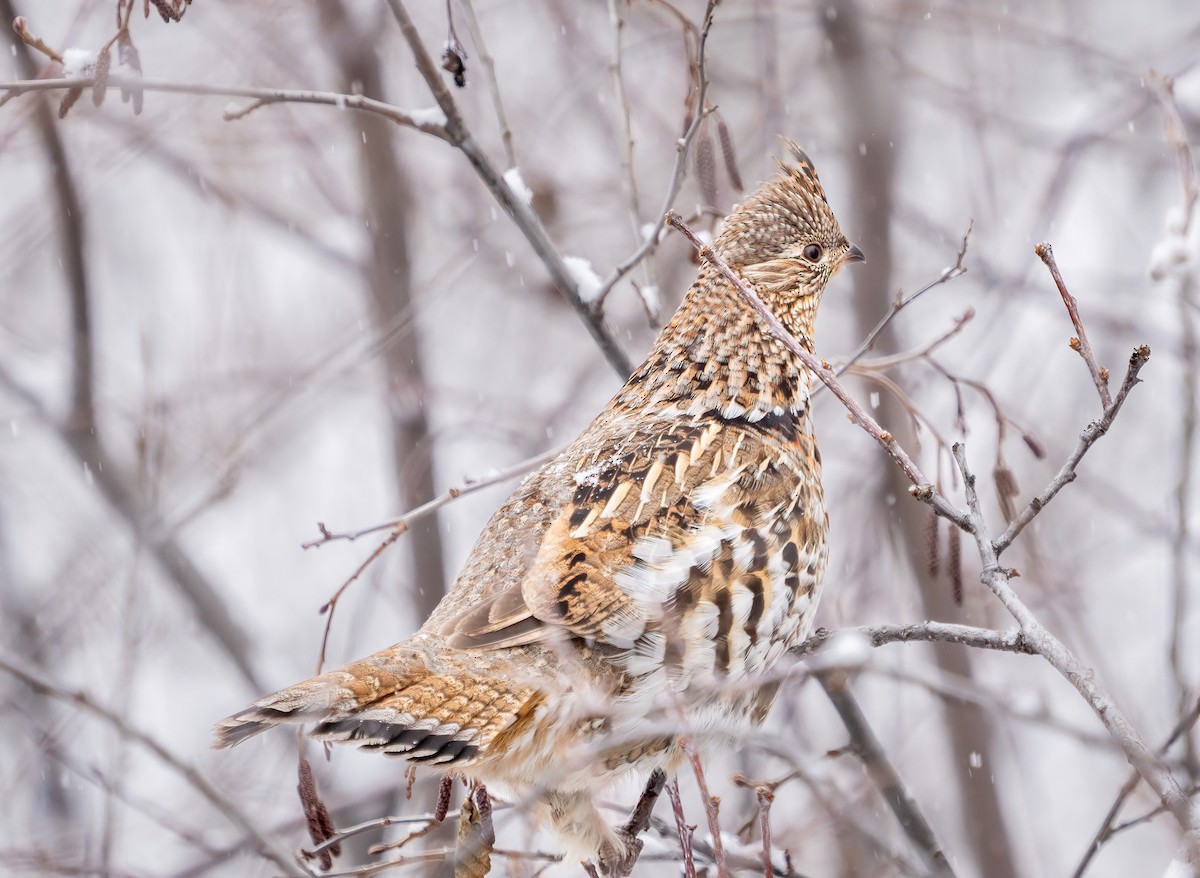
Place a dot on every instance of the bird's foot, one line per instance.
(618, 855)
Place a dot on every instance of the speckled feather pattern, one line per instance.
(637, 585)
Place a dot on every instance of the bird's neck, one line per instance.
(718, 356)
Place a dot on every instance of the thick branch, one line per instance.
(924, 632)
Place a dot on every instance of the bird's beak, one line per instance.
(854, 254)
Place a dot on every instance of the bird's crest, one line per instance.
(803, 174)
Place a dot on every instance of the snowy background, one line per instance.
(267, 354)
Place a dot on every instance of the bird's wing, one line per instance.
(688, 518)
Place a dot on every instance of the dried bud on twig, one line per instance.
(127, 56)
(100, 86)
(932, 547)
(443, 802)
(1034, 445)
(706, 167)
(169, 10)
(320, 824)
(21, 26)
(1006, 490)
(68, 101)
(954, 564)
(730, 156)
(476, 836)
(454, 62)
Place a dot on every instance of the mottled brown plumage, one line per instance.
(634, 588)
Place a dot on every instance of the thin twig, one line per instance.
(380, 823)
(261, 97)
(876, 363)
(616, 67)
(490, 79)
(765, 797)
(469, 486)
(1080, 343)
(711, 807)
(956, 270)
(684, 830)
(682, 147)
(1091, 433)
(924, 632)
(867, 748)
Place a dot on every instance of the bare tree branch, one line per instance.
(1080, 343)
(867, 748)
(522, 214)
(1091, 433)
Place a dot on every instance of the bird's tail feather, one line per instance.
(392, 703)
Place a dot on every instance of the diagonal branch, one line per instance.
(521, 213)
(1091, 433)
(1080, 343)
(884, 775)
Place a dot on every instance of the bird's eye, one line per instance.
(812, 252)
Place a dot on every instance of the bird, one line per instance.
(633, 594)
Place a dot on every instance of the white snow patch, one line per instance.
(651, 301)
(428, 116)
(514, 181)
(1179, 869)
(585, 277)
(845, 649)
(78, 62)
(1168, 256)
(1176, 255)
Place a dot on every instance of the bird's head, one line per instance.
(785, 240)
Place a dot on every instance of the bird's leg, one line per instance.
(616, 863)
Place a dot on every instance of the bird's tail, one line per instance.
(393, 703)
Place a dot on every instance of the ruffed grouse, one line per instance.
(633, 589)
